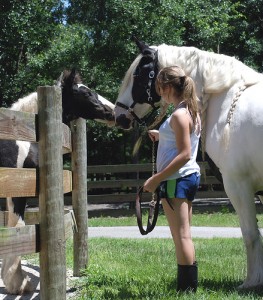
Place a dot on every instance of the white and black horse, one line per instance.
(231, 104)
(77, 101)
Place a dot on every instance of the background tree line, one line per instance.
(38, 39)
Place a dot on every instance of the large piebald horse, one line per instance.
(77, 101)
(231, 104)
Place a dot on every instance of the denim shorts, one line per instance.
(183, 187)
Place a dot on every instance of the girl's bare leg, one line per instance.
(179, 222)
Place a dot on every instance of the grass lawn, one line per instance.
(222, 218)
(146, 269)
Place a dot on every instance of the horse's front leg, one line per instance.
(242, 198)
(14, 279)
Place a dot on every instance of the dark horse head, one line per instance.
(79, 101)
(137, 95)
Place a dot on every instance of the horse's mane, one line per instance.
(29, 102)
(26, 104)
(218, 71)
(127, 77)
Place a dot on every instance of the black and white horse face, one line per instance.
(79, 101)
(139, 96)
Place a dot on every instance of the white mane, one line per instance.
(26, 104)
(128, 75)
(219, 71)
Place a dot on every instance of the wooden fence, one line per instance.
(118, 183)
(47, 231)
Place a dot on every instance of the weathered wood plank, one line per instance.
(66, 139)
(128, 168)
(17, 240)
(21, 182)
(51, 206)
(69, 224)
(123, 183)
(22, 240)
(79, 194)
(17, 125)
(31, 218)
(3, 219)
(130, 197)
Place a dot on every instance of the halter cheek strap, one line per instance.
(150, 101)
(130, 110)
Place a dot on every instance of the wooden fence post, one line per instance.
(51, 205)
(79, 194)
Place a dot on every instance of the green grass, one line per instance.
(223, 218)
(146, 269)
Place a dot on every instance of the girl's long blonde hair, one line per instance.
(183, 85)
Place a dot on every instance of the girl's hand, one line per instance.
(151, 184)
(153, 135)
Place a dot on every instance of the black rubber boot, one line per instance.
(187, 278)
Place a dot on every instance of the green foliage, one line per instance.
(26, 28)
(38, 39)
(99, 134)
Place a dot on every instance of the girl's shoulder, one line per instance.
(180, 113)
(180, 117)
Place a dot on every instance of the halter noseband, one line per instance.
(150, 101)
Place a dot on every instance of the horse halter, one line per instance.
(148, 89)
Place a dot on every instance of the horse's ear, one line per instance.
(59, 80)
(72, 76)
(140, 44)
(73, 72)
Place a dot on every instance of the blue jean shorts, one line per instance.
(183, 187)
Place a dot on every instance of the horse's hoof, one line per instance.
(245, 287)
(26, 286)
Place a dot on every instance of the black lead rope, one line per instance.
(153, 204)
(152, 213)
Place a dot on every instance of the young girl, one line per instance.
(178, 174)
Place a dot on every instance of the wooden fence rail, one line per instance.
(52, 225)
(119, 183)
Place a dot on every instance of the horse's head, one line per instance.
(79, 101)
(137, 95)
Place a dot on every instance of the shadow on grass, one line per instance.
(142, 290)
(230, 286)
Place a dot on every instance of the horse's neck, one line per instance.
(184, 57)
(26, 104)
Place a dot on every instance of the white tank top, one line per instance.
(167, 150)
